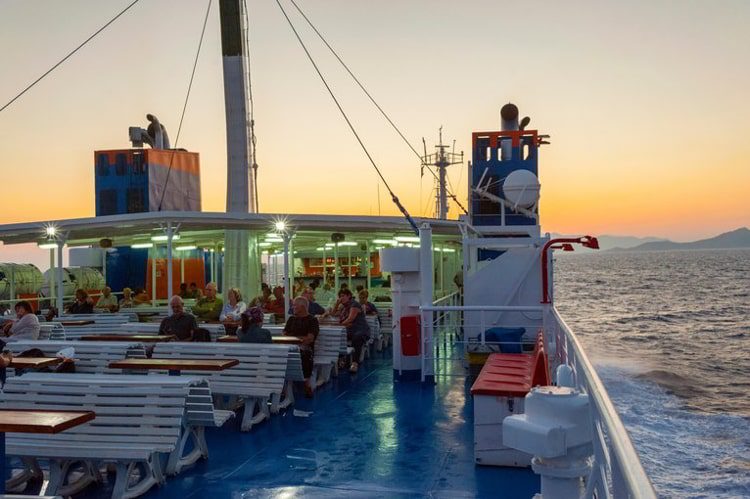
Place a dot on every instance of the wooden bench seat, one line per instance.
(260, 375)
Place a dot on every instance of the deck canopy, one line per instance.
(204, 228)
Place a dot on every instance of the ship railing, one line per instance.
(617, 470)
(450, 333)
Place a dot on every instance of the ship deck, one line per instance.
(366, 437)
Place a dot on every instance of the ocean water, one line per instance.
(669, 334)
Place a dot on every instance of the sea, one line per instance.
(669, 335)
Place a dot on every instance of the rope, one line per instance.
(394, 198)
(184, 106)
(68, 56)
(253, 140)
(372, 99)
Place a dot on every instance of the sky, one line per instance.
(646, 103)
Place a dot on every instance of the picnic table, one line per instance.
(175, 366)
(36, 421)
(33, 362)
(145, 338)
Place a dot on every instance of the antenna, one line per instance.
(441, 159)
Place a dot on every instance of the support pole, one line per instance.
(349, 266)
(104, 265)
(367, 265)
(12, 284)
(51, 279)
(441, 274)
(336, 267)
(153, 275)
(426, 271)
(324, 263)
(170, 287)
(58, 272)
(286, 277)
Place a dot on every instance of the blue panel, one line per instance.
(126, 267)
(486, 157)
(116, 178)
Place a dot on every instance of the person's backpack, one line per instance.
(202, 334)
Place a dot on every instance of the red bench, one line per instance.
(499, 392)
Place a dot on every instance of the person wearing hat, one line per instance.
(251, 330)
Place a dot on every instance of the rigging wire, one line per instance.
(184, 106)
(372, 99)
(394, 198)
(70, 54)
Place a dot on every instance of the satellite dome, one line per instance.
(521, 188)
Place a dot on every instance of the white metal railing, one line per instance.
(616, 468)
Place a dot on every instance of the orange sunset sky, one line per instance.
(646, 102)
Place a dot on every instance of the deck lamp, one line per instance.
(50, 231)
(585, 241)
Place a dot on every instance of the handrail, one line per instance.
(446, 298)
(479, 308)
(635, 477)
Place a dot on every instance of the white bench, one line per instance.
(331, 343)
(386, 323)
(135, 422)
(259, 376)
(76, 332)
(51, 331)
(100, 318)
(91, 357)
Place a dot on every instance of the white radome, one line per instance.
(521, 188)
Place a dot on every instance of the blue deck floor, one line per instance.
(366, 437)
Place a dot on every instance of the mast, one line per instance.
(441, 160)
(240, 181)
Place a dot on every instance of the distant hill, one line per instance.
(607, 242)
(739, 238)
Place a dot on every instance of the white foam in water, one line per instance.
(687, 454)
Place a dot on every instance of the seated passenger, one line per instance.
(82, 304)
(314, 307)
(304, 326)
(367, 305)
(127, 298)
(141, 299)
(234, 308)
(357, 330)
(26, 325)
(184, 293)
(251, 330)
(276, 306)
(107, 301)
(264, 298)
(180, 324)
(194, 292)
(208, 308)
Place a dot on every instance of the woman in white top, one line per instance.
(234, 307)
(26, 327)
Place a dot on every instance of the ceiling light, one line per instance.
(47, 245)
(142, 245)
(186, 247)
(407, 239)
(385, 241)
(175, 237)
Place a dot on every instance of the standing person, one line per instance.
(107, 301)
(82, 303)
(357, 330)
(180, 324)
(127, 298)
(251, 331)
(26, 325)
(367, 305)
(304, 326)
(209, 307)
(233, 309)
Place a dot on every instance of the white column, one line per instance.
(287, 289)
(153, 274)
(104, 265)
(51, 280)
(169, 264)
(12, 284)
(426, 271)
(213, 266)
(58, 272)
(336, 267)
(441, 274)
(182, 269)
(367, 265)
(324, 263)
(349, 265)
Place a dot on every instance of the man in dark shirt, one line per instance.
(180, 324)
(304, 326)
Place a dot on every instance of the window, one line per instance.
(136, 199)
(102, 165)
(107, 202)
(121, 164)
